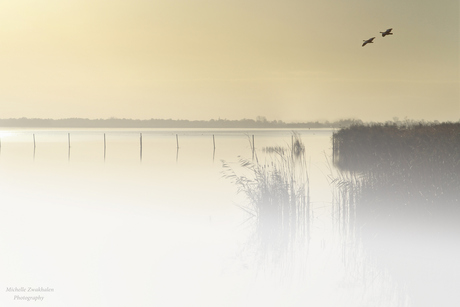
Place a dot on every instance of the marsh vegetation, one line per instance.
(277, 193)
(414, 169)
(398, 191)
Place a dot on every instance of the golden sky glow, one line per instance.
(288, 60)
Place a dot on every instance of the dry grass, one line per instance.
(277, 191)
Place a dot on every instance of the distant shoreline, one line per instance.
(165, 123)
(170, 123)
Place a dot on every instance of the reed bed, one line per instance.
(397, 189)
(277, 193)
(416, 163)
(390, 177)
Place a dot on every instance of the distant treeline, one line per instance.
(260, 122)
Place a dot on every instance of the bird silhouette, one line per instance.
(369, 41)
(387, 32)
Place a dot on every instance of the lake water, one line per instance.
(115, 226)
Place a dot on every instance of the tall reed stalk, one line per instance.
(277, 192)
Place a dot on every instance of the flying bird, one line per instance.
(370, 40)
(387, 32)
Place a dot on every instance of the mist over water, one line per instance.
(163, 226)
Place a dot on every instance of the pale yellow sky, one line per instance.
(291, 60)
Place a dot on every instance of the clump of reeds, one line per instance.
(277, 191)
(390, 176)
(298, 148)
(398, 189)
(394, 181)
(416, 162)
(274, 149)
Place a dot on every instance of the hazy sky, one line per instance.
(291, 60)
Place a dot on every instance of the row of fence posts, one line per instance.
(140, 146)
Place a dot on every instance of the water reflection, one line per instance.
(401, 203)
(171, 228)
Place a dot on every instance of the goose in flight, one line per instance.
(370, 40)
(387, 32)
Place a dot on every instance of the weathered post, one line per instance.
(253, 147)
(333, 147)
(140, 144)
(214, 148)
(68, 155)
(34, 145)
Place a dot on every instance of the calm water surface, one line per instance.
(162, 227)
